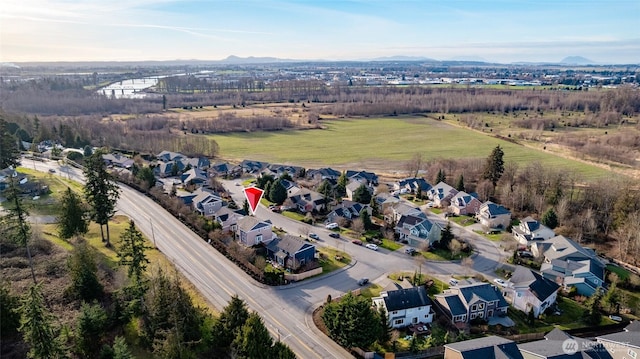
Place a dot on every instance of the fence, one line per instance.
(294, 277)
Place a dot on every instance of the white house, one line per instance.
(406, 306)
(527, 291)
(531, 230)
(493, 216)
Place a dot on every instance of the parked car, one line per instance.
(51, 170)
(453, 282)
(331, 226)
(500, 282)
(314, 236)
(615, 318)
(363, 281)
(334, 235)
(410, 251)
(357, 242)
(525, 254)
(372, 246)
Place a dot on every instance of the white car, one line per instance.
(453, 282)
(500, 282)
(331, 226)
(372, 246)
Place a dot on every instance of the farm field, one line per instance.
(383, 144)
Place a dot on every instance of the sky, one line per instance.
(604, 31)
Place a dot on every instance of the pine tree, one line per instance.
(362, 194)
(446, 237)
(101, 192)
(132, 255)
(253, 339)
(277, 192)
(385, 331)
(495, 166)
(9, 314)
(366, 219)
(120, 349)
(84, 273)
(281, 351)
(9, 151)
(89, 329)
(345, 319)
(14, 225)
(36, 326)
(550, 218)
(460, 183)
(441, 177)
(228, 325)
(72, 220)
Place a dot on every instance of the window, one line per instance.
(395, 312)
(481, 306)
(398, 322)
(480, 314)
(474, 308)
(259, 238)
(473, 316)
(414, 320)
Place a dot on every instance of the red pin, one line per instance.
(254, 195)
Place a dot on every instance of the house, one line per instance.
(348, 210)
(529, 291)
(279, 170)
(464, 303)
(195, 162)
(494, 216)
(291, 252)
(228, 218)
(396, 209)
(464, 204)
(405, 306)
(291, 187)
(117, 160)
(166, 169)
(491, 347)
(225, 169)
(417, 230)
(560, 345)
(412, 185)
(354, 185)
(168, 156)
(625, 344)
(370, 178)
(570, 265)
(306, 200)
(9, 174)
(531, 230)
(253, 167)
(194, 176)
(441, 194)
(207, 203)
(252, 231)
(324, 174)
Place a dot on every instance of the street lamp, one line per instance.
(153, 235)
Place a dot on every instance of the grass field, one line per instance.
(380, 141)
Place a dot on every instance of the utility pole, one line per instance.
(153, 235)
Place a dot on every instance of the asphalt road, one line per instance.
(286, 310)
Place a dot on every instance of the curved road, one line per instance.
(285, 310)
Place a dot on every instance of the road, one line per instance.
(286, 310)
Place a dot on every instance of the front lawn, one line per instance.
(293, 215)
(390, 245)
(496, 237)
(437, 287)
(332, 259)
(463, 220)
(622, 273)
(439, 254)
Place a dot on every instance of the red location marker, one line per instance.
(254, 195)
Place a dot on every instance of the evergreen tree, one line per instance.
(90, 326)
(550, 218)
(145, 174)
(36, 326)
(375, 209)
(286, 176)
(253, 339)
(9, 151)
(460, 183)
(612, 298)
(9, 314)
(366, 219)
(341, 186)
(101, 192)
(120, 349)
(228, 325)
(362, 194)
(277, 192)
(346, 319)
(446, 236)
(261, 182)
(72, 220)
(84, 273)
(385, 331)
(327, 191)
(245, 207)
(14, 224)
(441, 177)
(495, 166)
(592, 315)
(132, 255)
(281, 351)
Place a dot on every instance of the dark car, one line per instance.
(334, 235)
(357, 242)
(314, 236)
(410, 251)
(363, 281)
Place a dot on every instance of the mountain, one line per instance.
(232, 59)
(403, 58)
(577, 60)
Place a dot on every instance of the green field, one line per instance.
(380, 141)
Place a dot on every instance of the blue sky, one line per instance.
(606, 31)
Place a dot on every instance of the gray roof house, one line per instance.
(625, 344)
(527, 291)
(531, 230)
(353, 185)
(412, 185)
(441, 193)
(195, 177)
(560, 345)
(405, 306)
(348, 210)
(418, 230)
(494, 216)
(207, 203)
(323, 174)
(306, 200)
(491, 347)
(464, 204)
(291, 252)
(252, 231)
(117, 160)
(225, 169)
(254, 167)
(570, 265)
(461, 304)
(369, 177)
(228, 218)
(167, 156)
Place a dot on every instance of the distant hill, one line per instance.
(403, 58)
(577, 60)
(232, 59)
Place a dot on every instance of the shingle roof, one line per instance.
(406, 298)
(553, 347)
(247, 224)
(288, 244)
(487, 348)
(541, 287)
(484, 291)
(496, 209)
(452, 302)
